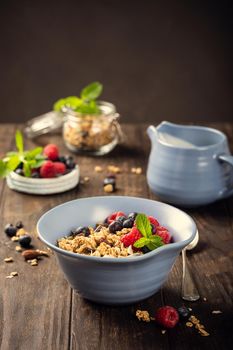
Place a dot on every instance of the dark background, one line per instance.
(157, 59)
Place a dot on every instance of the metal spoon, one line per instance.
(189, 290)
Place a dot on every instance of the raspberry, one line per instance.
(59, 167)
(153, 221)
(167, 316)
(131, 237)
(51, 151)
(114, 216)
(164, 234)
(48, 170)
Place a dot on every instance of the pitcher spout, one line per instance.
(152, 132)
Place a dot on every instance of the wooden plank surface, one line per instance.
(38, 310)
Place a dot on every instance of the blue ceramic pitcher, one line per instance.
(189, 165)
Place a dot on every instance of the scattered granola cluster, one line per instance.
(167, 317)
(193, 321)
(143, 315)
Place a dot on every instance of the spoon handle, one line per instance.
(189, 290)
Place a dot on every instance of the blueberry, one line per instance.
(145, 250)
(68, 157)
(121, 219)
(10, 230)
(35, 175)
(25, 241)
(20, 166)
(184, 312)
(115, 226)
(19, 172)
(70, 164)
(19, 225)
(82, 230)
(128, 223)
(132, 216)
(62, 159)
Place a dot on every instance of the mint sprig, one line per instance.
(149, 240)
(85, 103)
(30, 159)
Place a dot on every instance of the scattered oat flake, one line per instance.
(15, 238)
(21, 232)
(203, 333)
(14, 273)
(34, 262)
(189, 324)
(10, 259)
(143, 315)
(190, 309)
(86, 179)
(98, 169)
(204, 299)
(216, 312)
(163, 331)
(137, 171)
(18, 248)
(108, 188)
(114, 169)
(10, 276)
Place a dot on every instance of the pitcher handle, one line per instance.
(228, 160)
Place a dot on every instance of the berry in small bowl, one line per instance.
(40, 170)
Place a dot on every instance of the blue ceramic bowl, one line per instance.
(115, 280)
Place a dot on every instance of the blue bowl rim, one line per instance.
(167, 247)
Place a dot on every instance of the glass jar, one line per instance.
(92, 134)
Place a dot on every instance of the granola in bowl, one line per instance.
(119, 236)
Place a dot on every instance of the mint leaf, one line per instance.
(71, 102)
(26, 169)
(143, 225)
(10, 154)
(155, 242)
(19, 141)
(88, 108)
(3, 169)
(141, 242)
(13, 163)
(38, 163)
(59, 104)
(33, 153)
(92, 91)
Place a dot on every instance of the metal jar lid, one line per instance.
(44, 124)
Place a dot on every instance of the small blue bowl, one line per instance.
(115, 280)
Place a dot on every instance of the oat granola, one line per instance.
(101, 243)
(118, 236)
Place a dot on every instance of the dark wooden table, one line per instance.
(38, 310)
